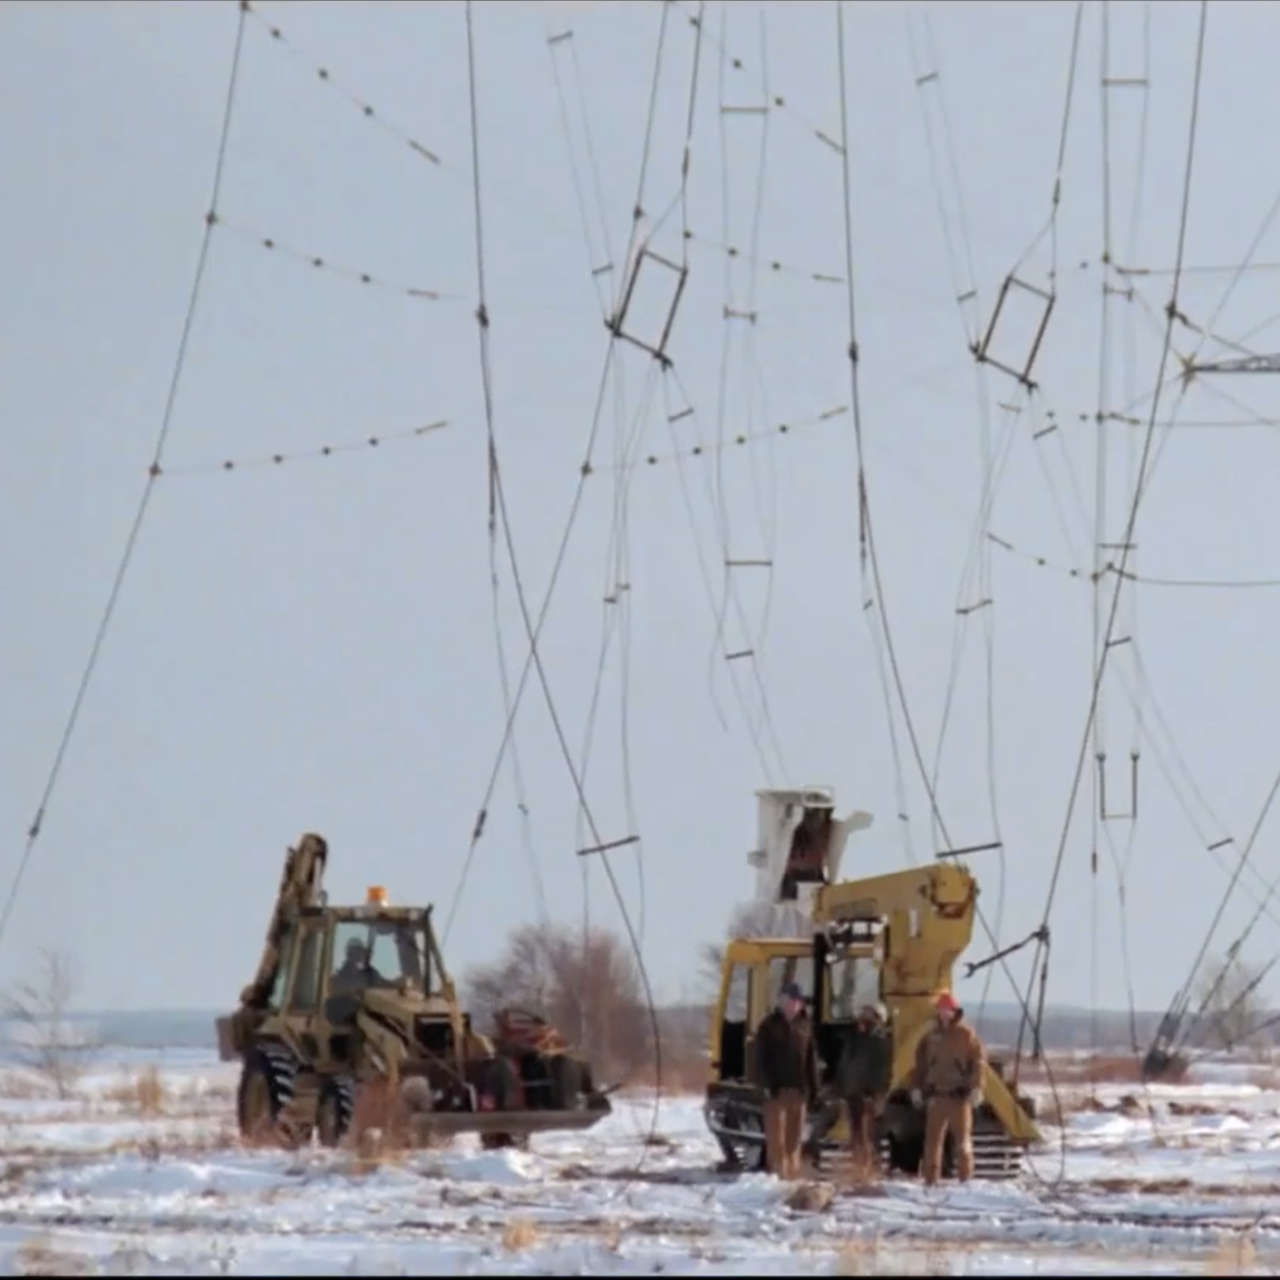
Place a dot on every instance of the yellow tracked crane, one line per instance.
(894, 938)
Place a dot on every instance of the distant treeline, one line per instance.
(1065, 1028)
(684, 1028)
(144, 1029)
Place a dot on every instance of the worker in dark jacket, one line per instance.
(787, 1070)
(863, 1078)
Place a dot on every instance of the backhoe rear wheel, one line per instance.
(336, 1110)
(267, 1083)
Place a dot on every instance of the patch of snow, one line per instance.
(499, 1168)
(1157, 1188)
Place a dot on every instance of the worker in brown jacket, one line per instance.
(948, 1081)
(787, 1070)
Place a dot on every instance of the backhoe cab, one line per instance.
(354, 998)
(893, 938)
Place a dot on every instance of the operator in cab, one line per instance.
(949, 1078)
(787, 1069)
(863, 1076)
(354, 973)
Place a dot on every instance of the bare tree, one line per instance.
(754, 919)
(38, 1015)
(589, 987)
(1231, 1002)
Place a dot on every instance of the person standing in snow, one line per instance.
(787, 1069)
(863, 1077)
(948, 1080)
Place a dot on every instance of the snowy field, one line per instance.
(138, 1172)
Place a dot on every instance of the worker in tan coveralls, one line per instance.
(948, 1081)
(787, 1069)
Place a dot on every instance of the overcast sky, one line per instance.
(311, 646)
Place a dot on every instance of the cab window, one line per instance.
(738, 1000)
(288, 945)
(306, 978)
(785, 969)
(854, 982)
(377, 953)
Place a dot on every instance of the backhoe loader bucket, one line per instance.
(389, 1119)
(404, 1118)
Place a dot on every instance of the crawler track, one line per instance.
(995, 1158)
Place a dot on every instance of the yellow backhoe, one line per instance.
(357, 999)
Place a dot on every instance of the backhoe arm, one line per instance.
(301, 886)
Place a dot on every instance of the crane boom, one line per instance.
(927, 913)
(1239, 364)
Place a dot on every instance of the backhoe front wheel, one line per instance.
(267, 1083)
(335, 1110)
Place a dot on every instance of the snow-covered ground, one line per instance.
(139, 1173)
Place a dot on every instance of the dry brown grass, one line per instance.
(173, 1141)
(368, 1161)
(382, 1127)
(1150, 1186)
(811, 1197)
(16, 1172)
(1060, 1104)
(1195, 1108)
(685, 1070)
(130, 1257)
(142, 1092)
(681, 1074)
(851, 1179)
(864, 1256)
(145, 1093)
(1058, 1107)
(22, 1085)
(520, 1234)
(1234, 1255)
(39, 1255)
(163, 1141)
(1102, 1068)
